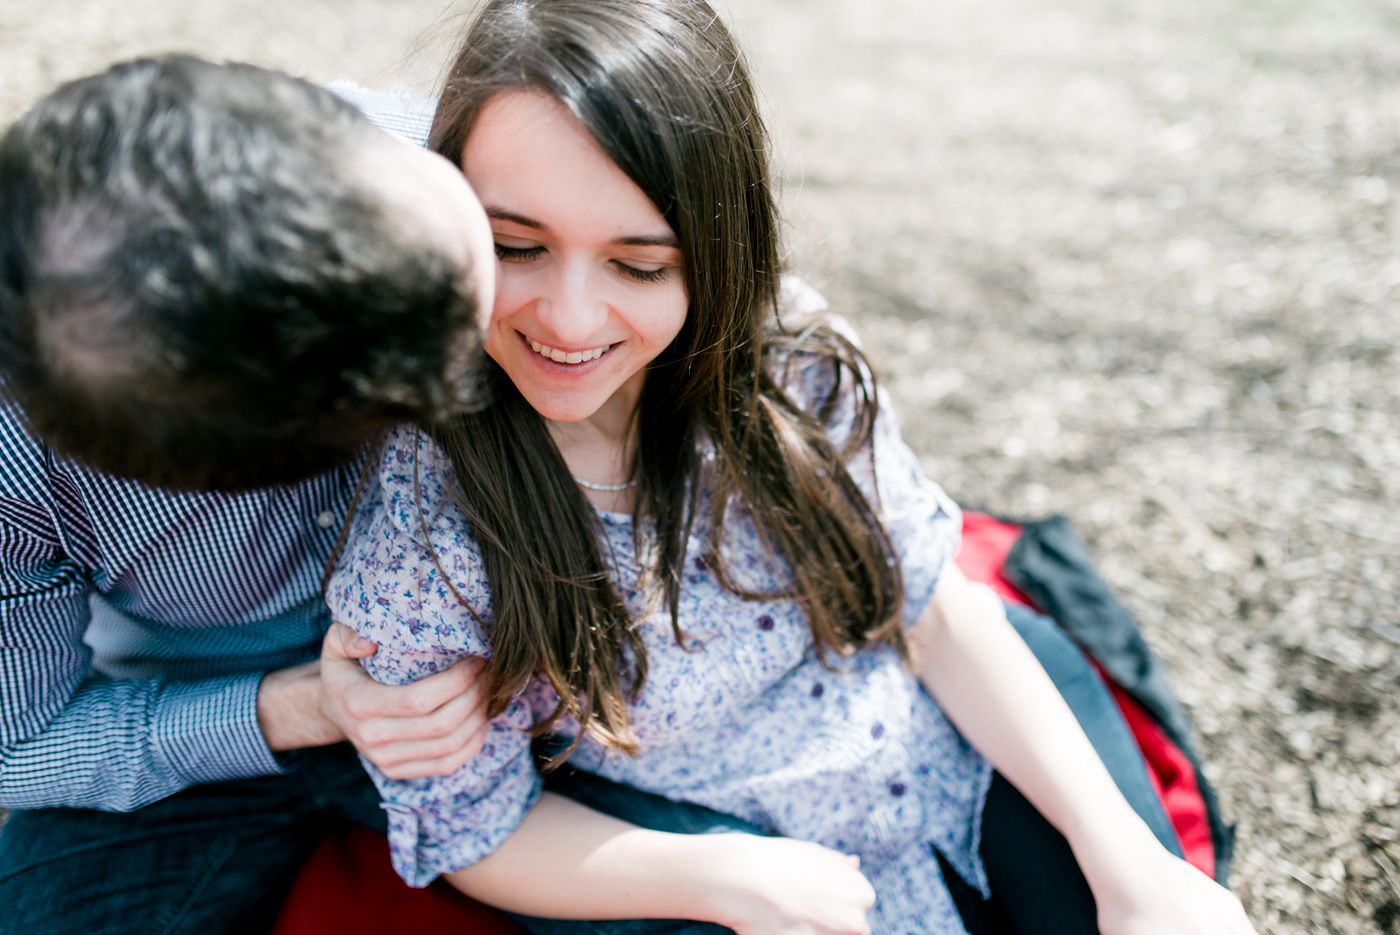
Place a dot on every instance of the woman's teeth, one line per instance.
(570, 357)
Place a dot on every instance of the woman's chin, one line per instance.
(564, 408)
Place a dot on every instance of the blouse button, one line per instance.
(765, 622)
(896, 789)
(817, 690)
(877, 731)
(326, 519)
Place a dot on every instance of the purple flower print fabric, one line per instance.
(744, 718)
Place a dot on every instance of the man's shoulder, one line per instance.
(30, 471)
(403, 112)
(23, 458)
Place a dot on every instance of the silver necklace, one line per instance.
(605, 488)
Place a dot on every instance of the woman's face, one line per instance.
(589, 288)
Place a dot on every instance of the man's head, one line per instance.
(220, 277)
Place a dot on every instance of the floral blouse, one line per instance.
(745, 719)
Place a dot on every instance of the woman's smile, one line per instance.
(561, 356)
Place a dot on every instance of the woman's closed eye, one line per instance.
(517, 254)
(644, 267)
(641, 274)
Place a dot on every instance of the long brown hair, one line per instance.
(663, 88)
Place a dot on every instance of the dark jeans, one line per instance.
(210, 860)
(219, 858)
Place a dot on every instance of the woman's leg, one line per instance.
(1037, 887)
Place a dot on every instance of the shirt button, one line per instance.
(326, 519)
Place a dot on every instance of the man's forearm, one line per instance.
(118, 745)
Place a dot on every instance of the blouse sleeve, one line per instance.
(389, 587)
(923, 523)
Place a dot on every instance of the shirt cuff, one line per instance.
(442, 836)
(207, 731)
(930, 544)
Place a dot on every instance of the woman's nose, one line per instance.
(571, 306)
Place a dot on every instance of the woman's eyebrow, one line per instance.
(501, 214)
(667, 239)
(655, 240)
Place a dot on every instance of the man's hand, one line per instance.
(429, 728)
(289, 709)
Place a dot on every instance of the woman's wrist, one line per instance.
(1114, 851)
(702, 867)
(1139, 885)
(726, 881)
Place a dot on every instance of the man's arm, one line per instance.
(71, 738)
(68, 738)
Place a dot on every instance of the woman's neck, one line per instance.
(599, 449)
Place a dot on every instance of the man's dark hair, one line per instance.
(197, 292)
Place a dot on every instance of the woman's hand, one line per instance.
(780, 886)
(1154, 893)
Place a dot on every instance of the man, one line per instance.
(213, 279)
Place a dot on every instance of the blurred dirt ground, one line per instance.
(1131, 262)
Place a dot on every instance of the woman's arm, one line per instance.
(991, 686)
(566, 861)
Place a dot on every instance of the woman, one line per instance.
(694, 546)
